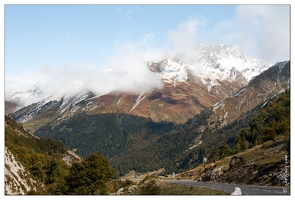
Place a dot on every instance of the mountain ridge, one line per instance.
(193, 135)
(191, 83)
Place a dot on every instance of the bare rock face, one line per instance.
(17, 179)
(70, 157)
(236, 162)
(216, 173)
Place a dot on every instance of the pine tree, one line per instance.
(89, 176)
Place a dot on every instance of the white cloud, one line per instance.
(261, 31)
(185, 36)
(127, 10)
(131, 73)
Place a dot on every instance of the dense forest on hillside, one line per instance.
(173, 152)
(42, 158)
(263, 123)
(136, 143)
(127, 141)
(110, 134)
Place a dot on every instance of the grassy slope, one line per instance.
(177, 189)
(263, 165)
(152, 185)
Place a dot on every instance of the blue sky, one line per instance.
(53, 39)
(64, 34)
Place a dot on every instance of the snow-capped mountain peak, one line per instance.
(24, 98)
(220, 59)
(209, 64)
(206, 64)
(169, 70)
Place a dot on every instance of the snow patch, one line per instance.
(69, 103)
(170, 70)
(120, 101)
(200, 142)
(138, 100)
(240, 91)
(219, 104)
(264, 104)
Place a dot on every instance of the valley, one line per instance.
(147, 99)
(177, 127)
(129, 140)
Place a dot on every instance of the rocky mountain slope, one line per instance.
(223, 121)
(193, 81)
(207, 108)
(17, 179)
(269, 83)
(17, 100)
(261, 165)
(27, 158)
(130, 141)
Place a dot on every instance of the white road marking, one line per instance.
(228, 187)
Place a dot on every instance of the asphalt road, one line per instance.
(246, 189)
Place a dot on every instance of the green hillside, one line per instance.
(136, 143)
(42, 159)
(264, 123)
(110, 134)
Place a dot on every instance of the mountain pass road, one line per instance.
(246, 189)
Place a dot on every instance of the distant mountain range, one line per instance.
(136, 143)
(209, 95)
(193, 81)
